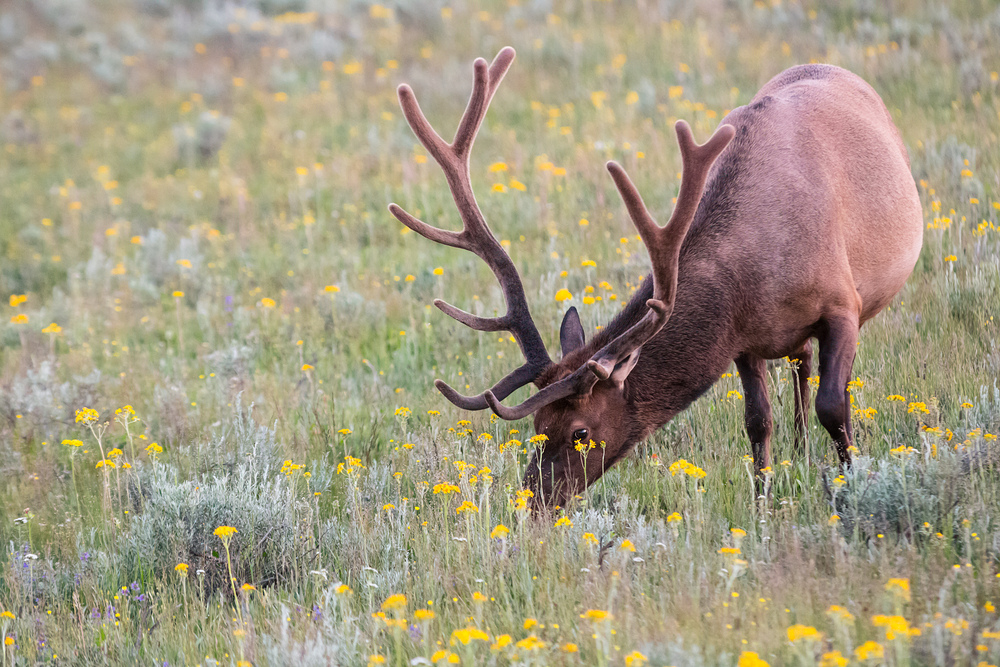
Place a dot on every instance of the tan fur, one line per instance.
(809, 226)
(797, 219)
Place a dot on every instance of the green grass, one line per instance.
(197, 197)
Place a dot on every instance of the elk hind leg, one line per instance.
(837, 347)
(757, 409)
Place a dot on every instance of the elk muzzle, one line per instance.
(554, 478)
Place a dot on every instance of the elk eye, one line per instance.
(581, 435)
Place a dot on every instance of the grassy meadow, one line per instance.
(220, 442)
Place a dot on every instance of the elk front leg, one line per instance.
(837, 347)
(757, 409)
(803, 369)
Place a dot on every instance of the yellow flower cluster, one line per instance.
(467, 634)
(682, 466)
(467, 506)
(798, 632)
(350, 465)
(869, 650)
(596, 615)
(751, 659)
(87, 415)
(895, 626)
(394, 602)
(225, 532)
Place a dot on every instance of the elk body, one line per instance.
(798, 219)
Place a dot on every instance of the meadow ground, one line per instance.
(211, 321)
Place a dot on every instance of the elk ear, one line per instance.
(571, 332)
(622, 369)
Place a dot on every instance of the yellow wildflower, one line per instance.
(838, 613)
(466, 635)
(467, 506)
(869, 650)
(798, 632)
(225, 532)
(900, 587)
(751, 659)
(530, 643)
(395, 601)
(86, 415)
(894, 626)
(635, 658)
(833, 659)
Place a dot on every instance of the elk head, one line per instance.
(581, 406)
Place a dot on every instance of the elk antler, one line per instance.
(476, 236)
(664, 245)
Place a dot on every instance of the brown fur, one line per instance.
(809, 225)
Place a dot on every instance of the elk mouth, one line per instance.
(553, 479)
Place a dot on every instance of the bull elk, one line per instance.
(798, 219)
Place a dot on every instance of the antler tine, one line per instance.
(664, 245)
(580, 381)
(603, 362)
(485, 84)
(417, 121)
(470, 320)
(510, 383)
(443, 236)
(476, 235)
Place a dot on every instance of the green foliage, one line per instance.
(238, 483)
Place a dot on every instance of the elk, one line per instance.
(798, 219)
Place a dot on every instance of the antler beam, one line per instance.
(664, 246)
(476, 235)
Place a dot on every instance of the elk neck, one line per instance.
(687, 356)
